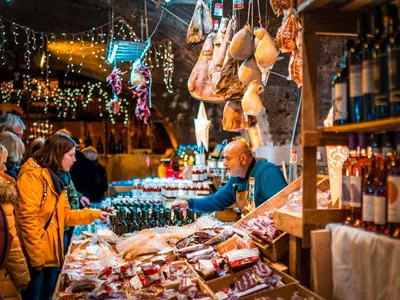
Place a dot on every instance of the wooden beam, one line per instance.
(321, 263)
(324, 216)
(317, 139)
(328, 23)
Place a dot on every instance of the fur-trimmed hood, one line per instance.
(8, 190)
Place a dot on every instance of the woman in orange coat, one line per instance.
(15, 275)
(43, 211)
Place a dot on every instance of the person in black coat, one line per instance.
(100, 184)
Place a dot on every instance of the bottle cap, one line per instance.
(251, 180)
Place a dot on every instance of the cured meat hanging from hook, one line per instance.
(266, 53)
(219, 38)
(251, 102)
(218, 59)
(241, 46)
(278, 6)
(288, 32)
(233, 118)
(296, 63)
(200, 25)
(249, 71)
(199, 84)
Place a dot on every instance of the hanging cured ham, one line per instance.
(241, 46)
(251, 102)
(200, 25)
(213, 68)
(278, 6)
(249, 71)
(199, 84)
(287, 33)
(266, 53)
(218, 60)
(233, 118)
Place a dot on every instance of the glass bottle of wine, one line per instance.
(100, 147)
(355, 73)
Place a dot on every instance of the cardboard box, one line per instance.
(284, 293)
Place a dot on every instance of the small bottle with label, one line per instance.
(394, 195)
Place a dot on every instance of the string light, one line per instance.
(40, 129)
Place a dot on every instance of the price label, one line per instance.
(218, 9)
(216, 24)
(238, 4)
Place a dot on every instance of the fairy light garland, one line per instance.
(163, 57)
(42, 129)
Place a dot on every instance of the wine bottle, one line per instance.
(99, 147)
(380, 202)
(144, 221)
(88, 141)
(393, 183)
(120, 144)
(368, 200)
(368, 80)
(134, 224)
(189, 217)
(355, 73)
(381, 69)
(167, 217)
(178, 217)
(359, 174)
(347, 171)
(394, 66)
(111, 144)
(340, 89)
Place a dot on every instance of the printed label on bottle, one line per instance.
(393, 183)
(346, 191)
(368, 84)
(394, 68)
(380, 210)
(340, 96)
(355, 81)
(238, 4)
(368, 208)
(381, 80)
(355, 192)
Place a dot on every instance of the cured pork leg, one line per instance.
(199, 85)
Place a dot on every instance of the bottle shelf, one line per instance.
(337, 5)
(390, 124)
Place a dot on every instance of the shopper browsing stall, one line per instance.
(43, 210)
(241, 165)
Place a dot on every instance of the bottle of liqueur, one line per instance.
(133, 223)
(380, 202)
(359, 174)
(368, 201)
(393, 209)
(394, 67)
(381, 69)
(368, 80)
(347, 171)
(167, 217)
(178, 217)
(88, 141)
(355, 73)
(155, 222)
(340, 89)
(120, 145)
(144, 221)
(100, 147)
(189, 216)
(111, 144)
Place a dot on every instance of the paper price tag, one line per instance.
(238, 4)
(216, 27)
(218, 9)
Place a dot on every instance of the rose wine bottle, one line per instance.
(358, 178)
(347, 171)
(393, 205)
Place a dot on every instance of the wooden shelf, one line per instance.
(337, 5)
(390, 124)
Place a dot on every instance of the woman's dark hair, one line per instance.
(50, 155)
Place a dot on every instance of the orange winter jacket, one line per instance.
(38, 199)
(15, 274)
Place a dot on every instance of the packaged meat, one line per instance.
(207, 250)
(278, 6)
(220, 237)
(190, 249)
(241, 259)
(262, 271)
(245, 281)
(226, 294)
(209, 268)
(287, 34)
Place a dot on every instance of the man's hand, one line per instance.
(84, 201)
(39, 268)
(104, 215)
(183, 205)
